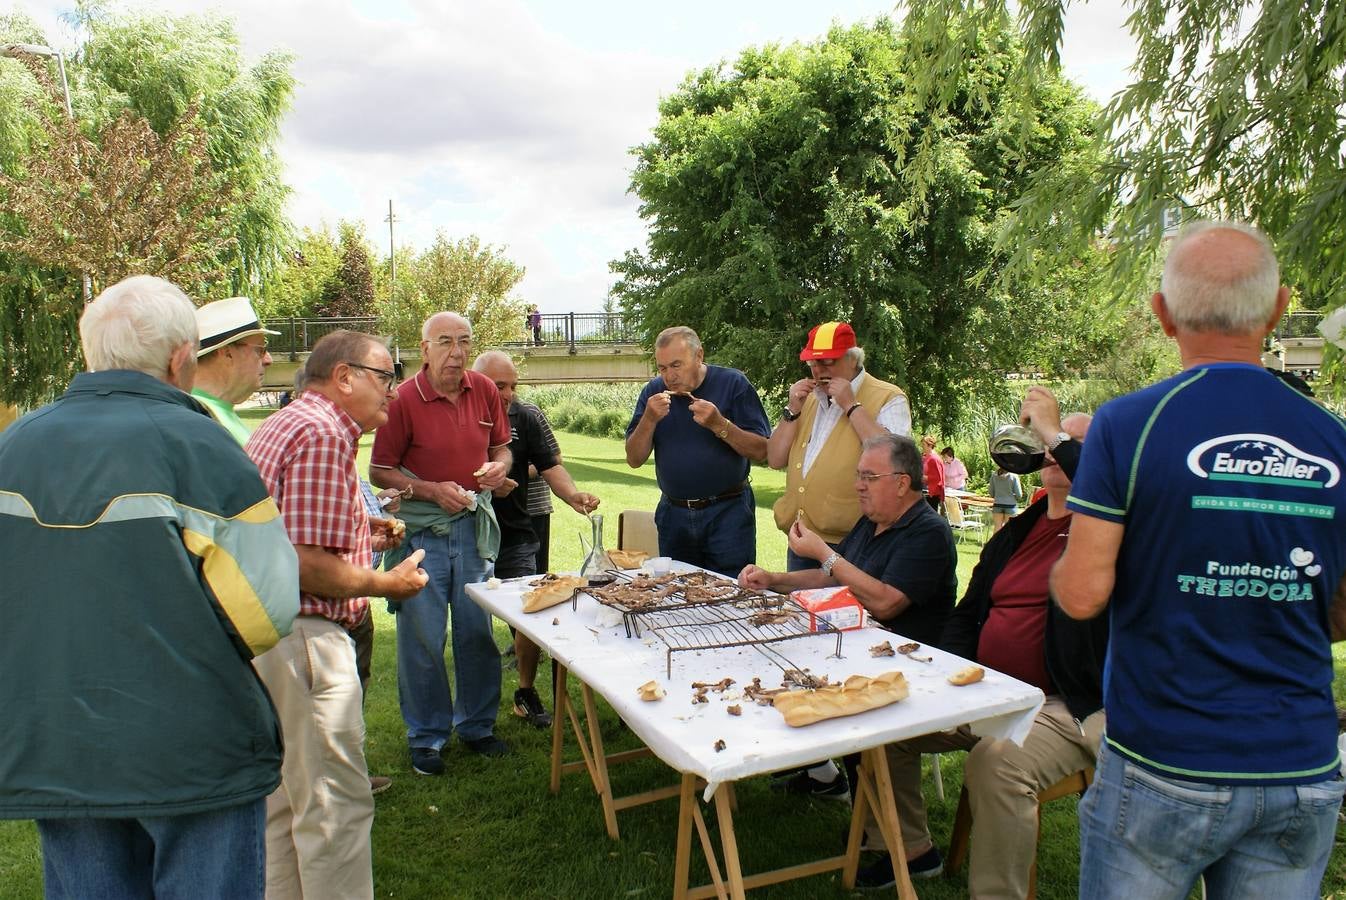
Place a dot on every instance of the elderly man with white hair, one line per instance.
(144, 566)
(1211, 527)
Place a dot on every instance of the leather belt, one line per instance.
(708, 501)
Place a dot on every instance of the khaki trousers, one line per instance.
(318, 820)
(1002, 781)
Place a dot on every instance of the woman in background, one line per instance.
(1006, 492)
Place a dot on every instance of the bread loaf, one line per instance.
(628, 559)
(856, 694)
(550, 593)
(970, 675)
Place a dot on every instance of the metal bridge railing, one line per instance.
(1299, 325)
(299, 335)
(572, 329)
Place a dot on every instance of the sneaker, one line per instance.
(879, 874)
(487, 746)
(528, 705)
(426, 761)
(806, 785)
(380, 783)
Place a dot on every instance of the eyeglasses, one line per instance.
(447, 341)
(385, 377)
(875, 476)
(261, 349)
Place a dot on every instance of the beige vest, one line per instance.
(827, 494)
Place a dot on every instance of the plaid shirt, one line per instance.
(306, 455)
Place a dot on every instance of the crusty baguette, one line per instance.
(970, 675)
(628, 559)
(856, 694)
(553, 592)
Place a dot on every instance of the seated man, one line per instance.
(898, 560)
(1007, 621)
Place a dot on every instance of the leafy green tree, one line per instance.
(461, 276)
(171, 168)
(804, 184)
(1234, 111)
(349, 291)
(295, 288)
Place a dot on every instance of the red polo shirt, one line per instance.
(439, 439)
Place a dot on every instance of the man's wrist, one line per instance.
(789, 415)
(830, 563)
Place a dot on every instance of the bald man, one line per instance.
(1211, 527)
(447, 441)
(518, 544)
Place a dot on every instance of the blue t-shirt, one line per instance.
(690, 462)
(1229, 484)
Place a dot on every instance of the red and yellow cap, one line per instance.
(829, 340)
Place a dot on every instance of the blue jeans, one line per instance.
(1146, 835)
(722, 537)
(429, 708)
(218, 854)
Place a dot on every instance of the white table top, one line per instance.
(683, 734)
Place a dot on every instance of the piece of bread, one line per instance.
(550, 593)
(856, 694)
(650, 691)
(628, 559)
(970, 675)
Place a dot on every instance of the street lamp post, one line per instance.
(17, 51)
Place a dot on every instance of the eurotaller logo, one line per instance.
(1261, 459)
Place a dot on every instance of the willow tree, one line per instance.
(1234, 110)
(168, 167)
(808, 182)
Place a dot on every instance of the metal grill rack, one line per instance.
(739, 618)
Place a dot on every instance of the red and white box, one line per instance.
(832, 606)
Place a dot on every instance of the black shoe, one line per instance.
(808, 786)
(528, 705)
(487, 746)
(879, 874)
(426, 761)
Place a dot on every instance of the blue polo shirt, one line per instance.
(690, 462)
(1229, 484)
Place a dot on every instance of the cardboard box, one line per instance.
(834, 606)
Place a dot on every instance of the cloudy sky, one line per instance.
(512, 119)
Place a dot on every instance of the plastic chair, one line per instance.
(962, 521)
(636, 531)
(1076, 783)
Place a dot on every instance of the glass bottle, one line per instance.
(598, 565)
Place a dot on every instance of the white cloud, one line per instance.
(513, 120)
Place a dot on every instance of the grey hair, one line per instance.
(902, 456)
(1229, 295)
(678, 333)
(856, 355)
(425, 326)
(137, 324)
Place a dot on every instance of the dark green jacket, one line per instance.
(143, 565)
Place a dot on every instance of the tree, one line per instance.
(171, 168)
(1234, 112)
(805, 185)
(295, 289)
(459, 276)
(349, 291)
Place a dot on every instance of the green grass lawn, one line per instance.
(490, 829)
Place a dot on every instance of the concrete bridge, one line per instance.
(568, 348)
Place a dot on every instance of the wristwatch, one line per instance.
(790, 416)
(830, 562)
(1061, 438)
(853, 408)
